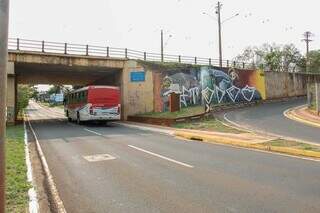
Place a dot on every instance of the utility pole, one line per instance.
(307, 35)
(4, 17)
(218, 10)
(162, 57)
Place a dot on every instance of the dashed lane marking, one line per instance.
(94, 132)
(161, 156)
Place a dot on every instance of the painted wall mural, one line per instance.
(210, 87)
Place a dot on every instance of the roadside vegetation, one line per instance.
(293, 144)
(208, 124)
(25, 92)
(16, 171)
(184, 112)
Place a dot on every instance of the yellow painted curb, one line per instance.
(242, 143)
(289, 114)
(211, 137)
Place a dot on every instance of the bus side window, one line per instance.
(86, 96)
(81, 97)
(76, 98)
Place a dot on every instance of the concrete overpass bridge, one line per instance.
(40, 62)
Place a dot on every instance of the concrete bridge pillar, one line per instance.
(137, 95)
(11, 94)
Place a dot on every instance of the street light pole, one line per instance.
(307, 35)
(4, 18)
(219, 31)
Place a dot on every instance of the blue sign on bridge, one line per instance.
(137, 76)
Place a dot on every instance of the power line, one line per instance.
(307, 35)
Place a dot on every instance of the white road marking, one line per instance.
(152, 129)
(97, 133)
(236, 125)
(33, 200)
(161, 156)
(52, 186)
(99, 157)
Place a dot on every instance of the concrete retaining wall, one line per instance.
(283, 85)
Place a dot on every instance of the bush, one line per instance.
(25, 92)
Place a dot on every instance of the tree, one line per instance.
(314, 61)
(248, 55)
(24, 93)
(55, 89)
(291, 57)
(273, 57)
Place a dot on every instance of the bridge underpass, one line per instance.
(66, 75)
(33, 68)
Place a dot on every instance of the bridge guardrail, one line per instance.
(112, 52)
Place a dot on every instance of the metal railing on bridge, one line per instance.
(111, 52)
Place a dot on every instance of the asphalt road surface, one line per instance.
(152, 172)
(269, 118)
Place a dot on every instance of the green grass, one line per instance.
(209, 124)
(313, 105)
(184, 112)
(292, 144)
(16, 171)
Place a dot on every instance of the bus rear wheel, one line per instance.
(79, 122)
(69, 119)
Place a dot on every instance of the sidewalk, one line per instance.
(304, 115)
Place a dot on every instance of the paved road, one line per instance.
(270, 118)
(154, 172)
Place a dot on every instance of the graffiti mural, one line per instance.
(210, 87)
(225, 87)
(186, 83)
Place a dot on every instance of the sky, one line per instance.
(137, 24)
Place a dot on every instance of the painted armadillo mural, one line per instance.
(209, 86)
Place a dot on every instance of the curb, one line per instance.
(33, 199)
(212, 137)
(56, 200)
(288, 113)
(241, 143)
